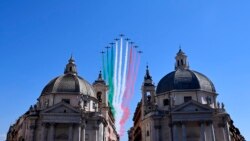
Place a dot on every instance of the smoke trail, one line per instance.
(120, 68)
(118, 105)
(112, 64)
(126, 113)
(126, 109)
(124, 74)
(115, 75)
(122, 89)
(109, 79)
(119, 71)
(124, 98)
(111, 84)
(135, 74)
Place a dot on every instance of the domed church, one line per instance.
(182, 107)
(68, 109)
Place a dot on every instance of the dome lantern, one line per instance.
(71, 67)
(181, 60)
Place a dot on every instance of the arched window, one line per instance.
(178, 63)
(181, 62)
(99, 96)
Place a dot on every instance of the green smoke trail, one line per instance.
(110, 78)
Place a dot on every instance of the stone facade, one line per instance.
(68, 109)
(183, 107)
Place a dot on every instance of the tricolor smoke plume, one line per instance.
(120, 69)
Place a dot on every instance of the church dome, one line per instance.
(69, 82)
(183, 78)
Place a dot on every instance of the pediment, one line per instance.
(192, 106)
(61, 107)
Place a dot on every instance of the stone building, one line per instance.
(68, 109)
(182, 107)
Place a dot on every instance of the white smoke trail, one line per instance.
(124, 74)
(116, 87)
(115, 73)
(118, 107)
(119, 70)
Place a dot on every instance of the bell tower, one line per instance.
(148, 94)
(101, 93)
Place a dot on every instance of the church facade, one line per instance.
(68, 109)
(182, 107)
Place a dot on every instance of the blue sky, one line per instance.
(37, 38)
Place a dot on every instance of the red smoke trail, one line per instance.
(128, 82)
(126, 113)
(125, 99)
(133, 71)
(135, 75)
(132, 76)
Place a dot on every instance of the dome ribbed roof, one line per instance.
(184, 79)
(69, 82)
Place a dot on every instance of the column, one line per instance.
(212, 131)
(227, 131)
(43, 132)
(156, 132)
(202, 132)
(79, 133)
(70, 132)
(83, 132)
(96, 134)
(175, 132)
(184, 134)
(223, 131)
(51, 132)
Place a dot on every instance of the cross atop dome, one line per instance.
(71, 60)
(71, 67)
(181, 60)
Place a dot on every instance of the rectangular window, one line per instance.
(66, 101)
(165, 102)
(187, 98)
